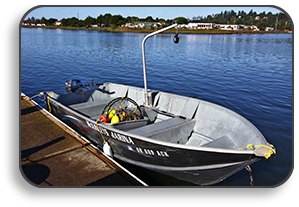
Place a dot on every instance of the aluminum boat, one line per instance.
(183, 137)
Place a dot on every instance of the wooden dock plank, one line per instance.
(75, 168)
(51, 156)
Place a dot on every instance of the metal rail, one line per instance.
(146, 97)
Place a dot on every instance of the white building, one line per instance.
(182, 26)
(228, 26)
(257, 18)
(194, 25)
(269, 29)
(254, 28)
(57, 23)
(202, 25)
(130, 25)
(142, 24)
(251, 27)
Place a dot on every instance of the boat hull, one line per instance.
(196, 165)
(204, 176)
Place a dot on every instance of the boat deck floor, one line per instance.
(53, 155)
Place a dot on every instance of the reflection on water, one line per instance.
(250, 74)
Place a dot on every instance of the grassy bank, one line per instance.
(149, 30)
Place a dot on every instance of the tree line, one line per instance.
(262, 20)
(106, 20)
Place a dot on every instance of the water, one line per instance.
(249, 74)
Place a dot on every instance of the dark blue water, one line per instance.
(250, 74)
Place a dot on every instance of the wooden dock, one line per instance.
(52, 154)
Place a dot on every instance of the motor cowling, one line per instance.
(73, 85)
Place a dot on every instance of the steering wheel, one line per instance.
(124, 107)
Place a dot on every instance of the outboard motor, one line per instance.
(73, 85)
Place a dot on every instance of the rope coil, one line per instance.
(262, 150)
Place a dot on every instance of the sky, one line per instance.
(141, 12)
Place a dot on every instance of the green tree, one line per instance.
(73, 22)
(43, 20)
(149, 19)
(132, 19)
(262, 25)
(100, 19)
(81, 23)
(116, 20)
(51, 21)
(89, 21)
(181, 20)
(106, 19)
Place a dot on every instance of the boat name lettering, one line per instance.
(159, 153)
(122, 138)
(97, 128)
(114, 135)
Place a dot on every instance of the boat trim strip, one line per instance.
(189, 168)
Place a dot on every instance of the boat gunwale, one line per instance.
(142, 138)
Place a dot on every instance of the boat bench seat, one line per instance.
(199, 140)
(89, 104)
(91, 108)
(222, 142)
(174, 130)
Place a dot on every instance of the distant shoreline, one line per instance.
(149, 30)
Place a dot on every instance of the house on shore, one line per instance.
(24, 23)
(41, 25)
(269, 29)
(58, 23)
(234, 27)
(142, 24)
(195, 25)
(250, 27)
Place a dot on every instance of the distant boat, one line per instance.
(186, 138)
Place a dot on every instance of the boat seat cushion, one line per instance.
(172, 130)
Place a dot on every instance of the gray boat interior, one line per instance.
(171, 118)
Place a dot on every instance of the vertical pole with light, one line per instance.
(175, 39)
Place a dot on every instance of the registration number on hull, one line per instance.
(128, 140)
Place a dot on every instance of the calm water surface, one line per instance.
(249, 74)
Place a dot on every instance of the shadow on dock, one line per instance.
(29, 110)
(25, 154)
(36, 173)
